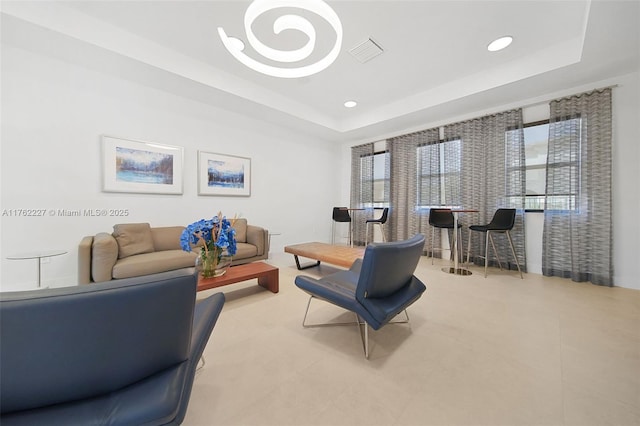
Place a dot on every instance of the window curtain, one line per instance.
(406, 218)
(492, 176)
(361, 189)
(577, 241)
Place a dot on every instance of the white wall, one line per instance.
(625, 179)
(53, 113)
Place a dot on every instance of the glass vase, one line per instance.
(213, 263)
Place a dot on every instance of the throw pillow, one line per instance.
(240, 225)
(133, 238)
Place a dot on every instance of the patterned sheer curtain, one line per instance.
(438, 182)
(407, 191)
(577, 232)
(361, 189)
(492, 176)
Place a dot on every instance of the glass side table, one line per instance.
(39, 255)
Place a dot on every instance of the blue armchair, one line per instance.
(118, 353)
(376, 288)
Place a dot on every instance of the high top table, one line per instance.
(456, 270)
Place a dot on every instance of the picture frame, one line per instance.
(223, 175)
(141, 167)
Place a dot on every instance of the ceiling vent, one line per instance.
(366, 51)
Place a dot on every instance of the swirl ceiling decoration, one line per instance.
(285, 22)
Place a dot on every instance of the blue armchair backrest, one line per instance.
(67, 344)
(388, 267)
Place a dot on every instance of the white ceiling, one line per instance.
(435, 64)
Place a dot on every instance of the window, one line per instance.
(379, 187)
(536, 140)
(380, 179)
(560, 165)
(439, 173)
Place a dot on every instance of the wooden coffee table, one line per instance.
(266, 274)
(322, 252)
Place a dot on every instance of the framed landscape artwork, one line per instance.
(220, 174)
(140, 167)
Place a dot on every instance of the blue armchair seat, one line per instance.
(118, 353)
(376, 288)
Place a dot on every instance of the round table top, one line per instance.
(37, 254)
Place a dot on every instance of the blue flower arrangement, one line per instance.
(216, 235)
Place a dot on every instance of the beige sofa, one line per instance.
(137, 249)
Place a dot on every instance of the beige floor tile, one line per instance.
(478, 351)
(583, 407)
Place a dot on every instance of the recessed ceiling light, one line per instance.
(499, 44)
(350, 104)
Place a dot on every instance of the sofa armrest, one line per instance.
(104, 255)
(84, 260)
(258, 237)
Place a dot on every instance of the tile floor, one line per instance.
(494, 351)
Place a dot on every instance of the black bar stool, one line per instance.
(502, 222)
(380, 221)
(340, 215)
(442, 219)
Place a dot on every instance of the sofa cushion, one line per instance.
(240, 225)
(245, 251)
(133, 238)
(104, 249)
(151, 263)
(166, 238)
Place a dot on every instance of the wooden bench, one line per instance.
(267, 275)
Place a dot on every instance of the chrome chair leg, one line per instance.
(329, 324)
(366, 340)
(502, 222)
(433, 240)
(495, 251)
(469, 246)
(451, 246)
(333, 232)
(459, 246)
(489, 238)
(363, 327)
(200, 367)
(366, 234)
(364, 331)
(486, 253)
(364, 335)
(513, 251)
(373, 234)
(304, 324)
(405, 321)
